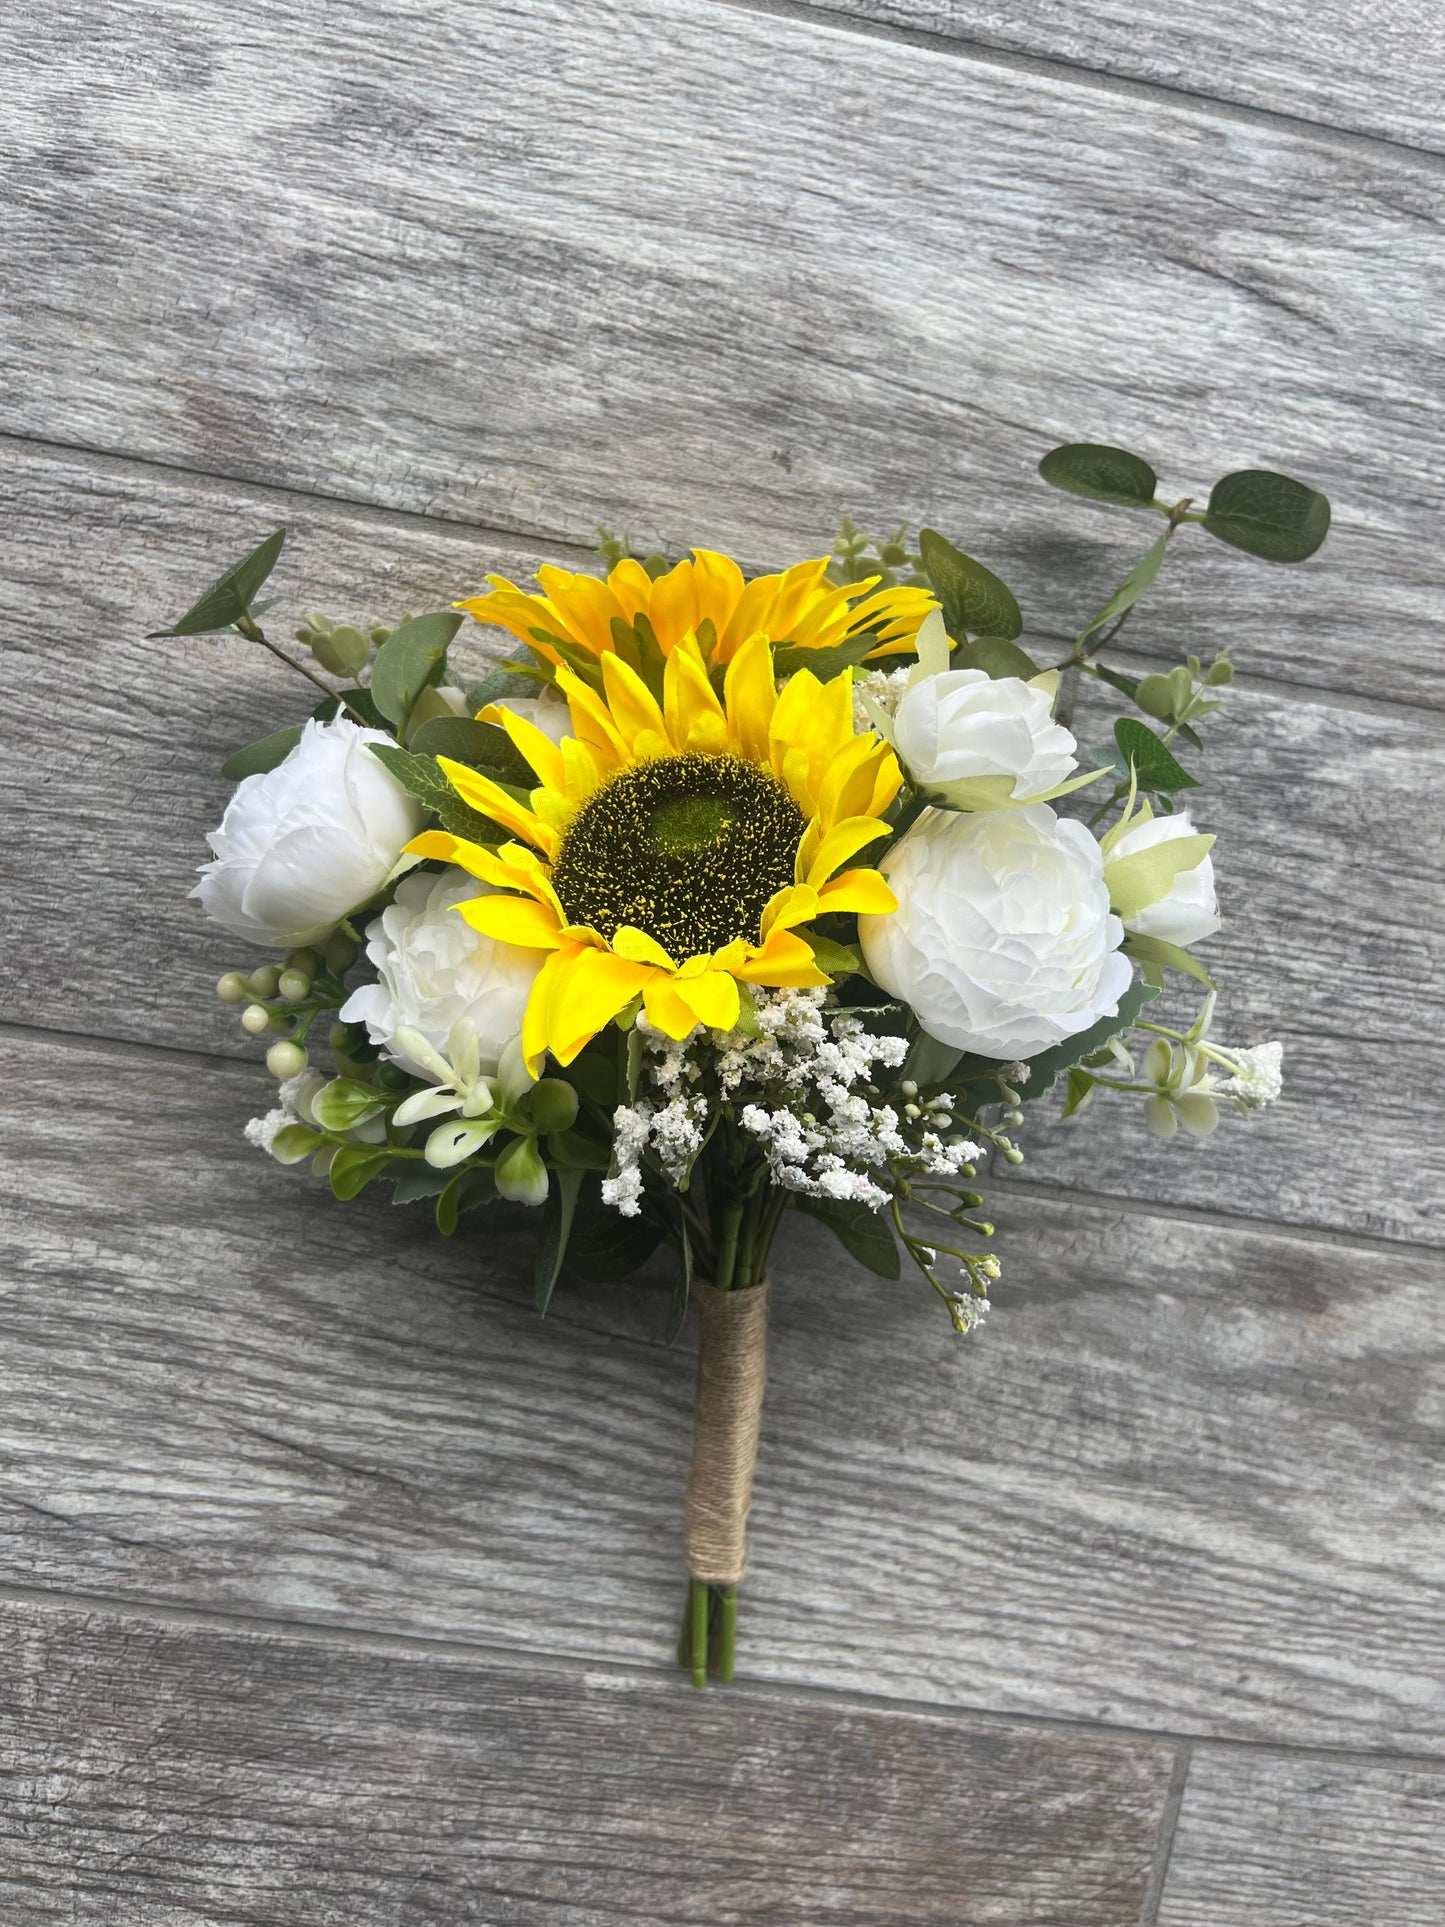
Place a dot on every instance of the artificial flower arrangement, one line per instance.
(724, 897)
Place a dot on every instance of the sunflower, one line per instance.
(706, 597)
(677, 843)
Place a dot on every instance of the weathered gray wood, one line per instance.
(156, 1774)
(1334, 940)
(491, 277)
(1183, 1479)
(1330, 857)
(1264, 1841)
(1373, 69)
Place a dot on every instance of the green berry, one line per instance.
(255, 1018)
(263, 982)
(308, 960)
(233, 988)
(285, 1060)
(340, 953)
(392, 1077)
(294, 985)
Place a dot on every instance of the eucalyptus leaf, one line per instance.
(1126, 685)
(409, 659)
(1154, 766)
(861, 1232)
(1049, 1066)
(1130, 589)
(260, 756)
(996, 656)
(356, 699)
(557, 1217)
(1101, 473)
(1268, 515)
(230, 598)
(480, 745)
(975, 602)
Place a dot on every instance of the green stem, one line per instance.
(254, 633)
(697, 1604)
(727, 1251)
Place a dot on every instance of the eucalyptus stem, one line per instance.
(253, 632)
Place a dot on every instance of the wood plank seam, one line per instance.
(1365, 1243)
(1168, 1829)
(1131, 658)
(1119, 86)
(176, 1615)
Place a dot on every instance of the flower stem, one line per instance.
(697, 1605)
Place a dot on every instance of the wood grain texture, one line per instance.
(503, 278)
(1265, 1841)
(189, 1774)
(1372, 69)
(1330, 820)
(1183, 1479)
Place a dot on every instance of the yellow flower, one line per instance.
(677, 843)
(707, 598)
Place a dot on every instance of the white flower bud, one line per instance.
(981, 742)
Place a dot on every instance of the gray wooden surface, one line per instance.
(337, 1587)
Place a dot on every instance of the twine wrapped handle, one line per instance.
(732, 1370)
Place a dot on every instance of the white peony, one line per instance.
(1187, 911)
(981, 743)
(437, 976)
(1003, 941)
(305, 843)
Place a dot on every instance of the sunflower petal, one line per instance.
(844, 840)
(493, 801)
(863, 893)
(515, 920)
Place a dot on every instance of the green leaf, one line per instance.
(1150, 874)
(474, 1184)
(1046, 1069)
(423, 777)
(1130, 589)
(836, 958)
(228, 599)
(929, 1063)
(500, 681)
(556, 1229)
(996, 656)
(418, 1180)
(479, 745)
(346, 1102)
(1126, 685)
(975, 602)
(605, 1246)
(1268, 515)
(293, 1142)
(861, 1232)
(1078, 1091)
(1154, 954)
(260, 756)
(1155, 768)
(355, 1165)
(409, 659)
(824, 663)
(1101, 473)
(677, 1304)
(356, 699)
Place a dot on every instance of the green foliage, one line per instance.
(260, 756)
(293, 1142)
(417, 1180)
(229, 599)
(862, 1233)
(483, 746)
(996, 656)
(412, 656)
(501, 680)
(1130, 589)
(557, 1215)
(423, 777)
(346, 1102)
(1154, 766)
(473, 1185)
(824, 663)
(604, 1246)
(975, 602)
(1046, 1069)
(1268, 515)
(1101, 473)
(681, 1291)
(355, 1165)
(1154, 956)
(339, 647)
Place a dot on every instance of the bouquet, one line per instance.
(726, 896)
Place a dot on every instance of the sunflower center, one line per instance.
(689, 849)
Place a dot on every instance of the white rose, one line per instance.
(1003, 941)
(307, 842)
(1187, 911)
(981, 742)
(547, 712)
(438, 976)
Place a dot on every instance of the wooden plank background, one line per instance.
(337, 1587)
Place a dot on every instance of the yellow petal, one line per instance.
(751, 695)
(493, 801)
(443, 847)
(695, 717)
(712, 997)
(844, 840)
(795, 904)
(638, 947)
(783, 962)
(538, 750)
(634, 708)
(589, 993)
(863, 893)
(516, 920)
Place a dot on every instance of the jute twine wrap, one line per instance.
(732, 1371)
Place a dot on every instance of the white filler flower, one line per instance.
(308, 841)
(1186, 911)
(981, 743)
(1003, 941)
(436, 975)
